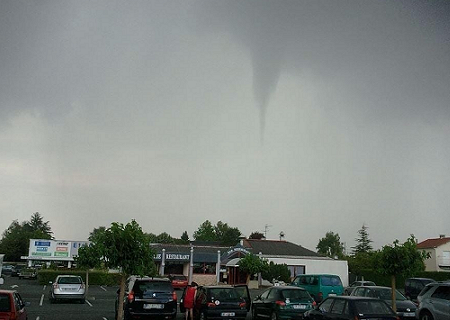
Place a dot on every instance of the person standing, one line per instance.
(189, 299)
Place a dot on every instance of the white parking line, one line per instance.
(103, 288)
(87, 301)
(42, 300)
(43, 289)
(37, 318)
(105, 318)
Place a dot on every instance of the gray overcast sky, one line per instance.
(307, 116)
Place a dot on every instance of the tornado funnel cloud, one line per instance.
(266, 72)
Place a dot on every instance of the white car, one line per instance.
(67, 287)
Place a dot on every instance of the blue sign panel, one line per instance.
(42, 243)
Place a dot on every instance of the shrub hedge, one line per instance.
(96, 277)
(382, 280)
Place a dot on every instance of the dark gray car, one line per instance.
(406, 309)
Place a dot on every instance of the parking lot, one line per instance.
(99, 303)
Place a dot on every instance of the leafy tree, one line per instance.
(97, 234)
(360, 262)
(252, 264)
(278, 272)
(164, 238)
(37, 224)
(205, 232)
(226, 235)
(331, 246)
(185, 237)
(127, 248)
(221, 232)
(404, 260)
(16, 239)
(89, 257)
(257, 235)
(363, 242)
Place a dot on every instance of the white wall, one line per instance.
(330, 266)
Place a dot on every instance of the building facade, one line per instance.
(439, 253)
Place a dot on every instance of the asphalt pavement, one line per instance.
(99, 303)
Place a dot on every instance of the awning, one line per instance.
(233, 262)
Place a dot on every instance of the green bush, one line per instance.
(96, 277)
(382, 280)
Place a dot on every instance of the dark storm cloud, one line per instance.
(389, 59)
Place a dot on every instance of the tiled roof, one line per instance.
(433, 243)
(280, 248)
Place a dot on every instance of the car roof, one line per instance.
(373, 287)
(7, 291)
(351, 298)
(68, 276)
(288, 288)
(145, 278)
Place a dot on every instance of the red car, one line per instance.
(179, 281)
(12, 306)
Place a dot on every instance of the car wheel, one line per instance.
(273, 316)
(426, 316)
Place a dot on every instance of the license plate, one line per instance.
(299, 306)
(153, 306)
(409, 314)
(227, 314)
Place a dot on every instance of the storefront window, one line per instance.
(204, 268)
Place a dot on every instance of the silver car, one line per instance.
(435, 302)
(67, 287)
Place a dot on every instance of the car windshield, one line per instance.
(146, 287)
(368, 307)
(331, 281)
(224, 294)
(69, 280)
(295, 295)
(386, 294)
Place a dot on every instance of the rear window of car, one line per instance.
(331, 281)
(69, 280)
(372, 307)
(151, 286)
(295, 295)
(179, 277)
(5, 303)
(224, 294)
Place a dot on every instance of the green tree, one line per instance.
(205, 232)
(185, 237)
(257, 235)
(252, 264)
(226, 235)
(221, 232)
(128, 249)
(15, 240)
(89, 257)
(400, 259)
(38, 226)
(363, 242)
(278, 272)
(331, 246)
(164, 238)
